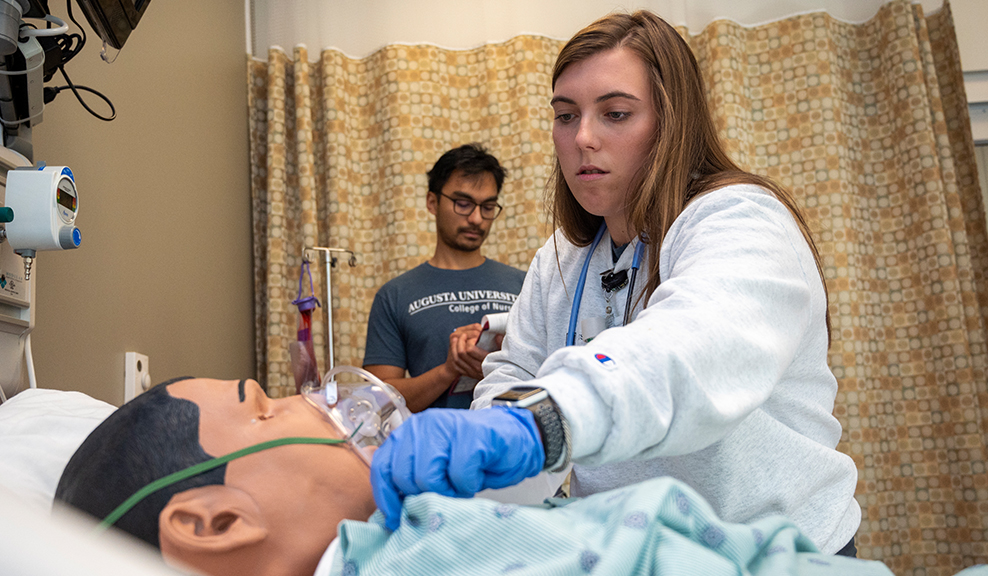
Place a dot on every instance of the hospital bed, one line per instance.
(39, 431)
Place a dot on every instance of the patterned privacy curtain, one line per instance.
(866, 123)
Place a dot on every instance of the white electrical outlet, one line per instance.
(137, 376)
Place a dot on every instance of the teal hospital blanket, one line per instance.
(660, 526)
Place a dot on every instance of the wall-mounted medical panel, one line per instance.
(16, 298)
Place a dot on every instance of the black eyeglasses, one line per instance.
(465, 207)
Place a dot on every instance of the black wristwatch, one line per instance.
(552, 425)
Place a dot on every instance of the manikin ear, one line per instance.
(432, 202)
(210, 520)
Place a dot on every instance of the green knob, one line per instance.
(6, 215)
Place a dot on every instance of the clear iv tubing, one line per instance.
(22, 121)
(63, 28)
(29, 360)
(21, 72)
(331, 375)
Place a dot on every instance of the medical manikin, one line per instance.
(292, 497)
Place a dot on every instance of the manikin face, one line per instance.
(302, 491)
(463, 233)
(603, 129)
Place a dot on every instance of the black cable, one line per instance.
(75, 90)
(629, 305)
(72, 44)
(69, 46)
(68, 8)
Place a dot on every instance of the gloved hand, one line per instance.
(455, 453)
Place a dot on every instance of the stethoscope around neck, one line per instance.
(578, 295)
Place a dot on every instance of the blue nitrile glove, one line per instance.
(455, 453)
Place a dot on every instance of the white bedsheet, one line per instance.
(34, 543)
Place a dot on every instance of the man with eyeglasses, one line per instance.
(426, 321)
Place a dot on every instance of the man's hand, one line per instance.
(456, 453)
(464, 358)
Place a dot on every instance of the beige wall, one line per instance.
(969, 21)
(164, 207)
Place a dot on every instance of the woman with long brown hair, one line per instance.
(712, 366)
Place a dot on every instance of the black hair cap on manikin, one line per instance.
(153, 435)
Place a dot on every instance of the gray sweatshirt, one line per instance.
(721, 381)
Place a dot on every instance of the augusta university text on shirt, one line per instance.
(465, 301)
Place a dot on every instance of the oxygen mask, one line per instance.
(365, 412)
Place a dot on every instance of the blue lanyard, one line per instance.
(578, 295)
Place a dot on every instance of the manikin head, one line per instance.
(272, 512)
(467, 175)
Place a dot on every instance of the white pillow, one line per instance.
(65, 542)
(39, 431)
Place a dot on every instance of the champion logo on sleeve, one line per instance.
(605, 360)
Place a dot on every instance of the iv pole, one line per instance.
(330, 261)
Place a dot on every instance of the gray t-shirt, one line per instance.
(414, 314)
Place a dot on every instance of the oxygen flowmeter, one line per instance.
(44, 202)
